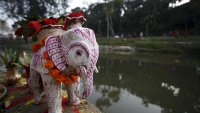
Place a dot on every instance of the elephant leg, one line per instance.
(72, 98)
(53, 93)
(29, 84)
(35, 85)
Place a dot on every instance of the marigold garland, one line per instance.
(36, 47)
(49, 64)
(42, 42)
(74, 78)
(60, 76)
(67, 81)
(46, 56)
(54, 71)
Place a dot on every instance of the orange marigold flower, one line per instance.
(54, 72)
(49, 64)
(62, 74)
(42, 42)
(59, 78)
(36, 47)
(74, 78)
(67, 80)
(46, 56)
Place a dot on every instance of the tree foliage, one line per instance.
(19, 9)
(153, 17)
(116, 17)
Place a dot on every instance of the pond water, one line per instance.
(146, 83)
(134, 86)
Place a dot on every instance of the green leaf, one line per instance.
(23, 23)
(10, 57)
(20, 65)
(17, 56)
(27, 58)
(34, 38)
(6, 55)
(25, 34)
(4, 59)
(22, 61)
(60, 20)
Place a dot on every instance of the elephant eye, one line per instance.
(79, 52)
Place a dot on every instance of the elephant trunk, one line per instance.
(87, 83)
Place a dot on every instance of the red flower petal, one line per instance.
(51, 21)
(19, 31)
(64, 26)
(30, 34)
(75, 14)
(35, 25)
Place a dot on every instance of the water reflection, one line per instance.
(132, 86)
(171, 88)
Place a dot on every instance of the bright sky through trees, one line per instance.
(84, 3)
(178, 3)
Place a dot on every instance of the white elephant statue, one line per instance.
(73, 51)
(38, 72)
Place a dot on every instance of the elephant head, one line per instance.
(76, 48)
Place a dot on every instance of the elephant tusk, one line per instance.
(96, 70)
(83, 70)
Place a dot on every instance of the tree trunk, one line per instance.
(99, 28)
(147, 29)
(107, 19)
(196, 26)
(121, 29)
(111, 26)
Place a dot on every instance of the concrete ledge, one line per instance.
(115, 49)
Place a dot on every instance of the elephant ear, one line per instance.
(54, 50)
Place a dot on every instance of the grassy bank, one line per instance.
(16, 44)
(190, 45)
